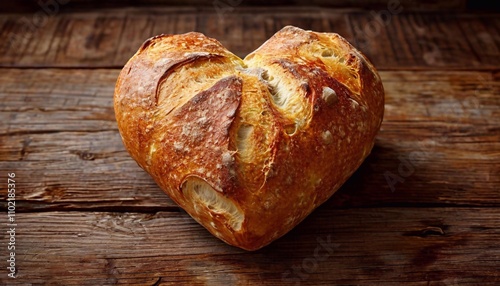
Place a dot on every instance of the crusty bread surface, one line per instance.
(249, 147)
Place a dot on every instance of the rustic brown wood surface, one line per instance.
(108, 38)
(88, 215)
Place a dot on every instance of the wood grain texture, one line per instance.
(410, 246)
(108, 38)
(439, 142)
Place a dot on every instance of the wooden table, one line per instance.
(423, 209)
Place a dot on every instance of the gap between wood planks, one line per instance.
(32, 207)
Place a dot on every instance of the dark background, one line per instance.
(23, 6)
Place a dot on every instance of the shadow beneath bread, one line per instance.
(386, 219)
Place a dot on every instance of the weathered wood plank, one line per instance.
(483, 36)
(108, 38)
(417, 40)
(79, 171)
(48, 101)
(439, 143)
(410, 246)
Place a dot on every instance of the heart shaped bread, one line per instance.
(249, 147)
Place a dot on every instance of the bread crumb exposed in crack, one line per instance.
(200, 193)
(243, 141)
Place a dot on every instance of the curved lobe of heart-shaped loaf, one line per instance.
(249, 147)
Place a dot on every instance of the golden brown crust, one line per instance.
(249, 147)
